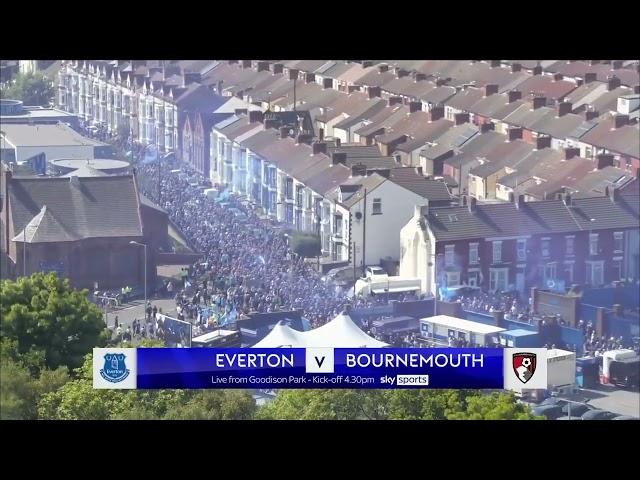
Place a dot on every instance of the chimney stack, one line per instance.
(520, 202)
(557, 77)
(420, 77)
(613, 193)
(516, 67)
(383, 68)
(486, 126)
(263, 66)
(490, 89)
(495, 63)
(436, 113)
(359, 170)
(415, 107)
(514, 95)
(591, 114)
(421, 211)
(604, 160)
(613, 82)
(321, 134)
(514, 133)
(339, 157)
(419, 171)
(353, 88)
(620, 121)
(543, 141)
(401, 72)
(277, 68)
(394, 101)
(566, 199)
(537, 70)
(327, 83)
(569, 153)
(472, 204)
(319, 147)
(246, 64)
(256, 116)
(564, 108)
(463, 200)
(374, 92)
(590, 77)
(616, 64)
(293, 73)
(304, 138)
(539, 101)
(241, 111)
(460, 118)
(636, 89)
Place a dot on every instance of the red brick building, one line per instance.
(79, 227)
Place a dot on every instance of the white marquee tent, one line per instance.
(341, 332)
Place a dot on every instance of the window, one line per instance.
(522, 249)
(377, 206)
(593, 244)
(618, 238)
(498, 279)
(497, 252)
(569, 245)
(595, 273)
(448, 255)
(473, 253)
(616, 269)
(549, 272)
(568, 272)
(473, 279)
(545, 247)
(453, 278)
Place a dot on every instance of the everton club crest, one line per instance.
(524, 365)
(114, 370)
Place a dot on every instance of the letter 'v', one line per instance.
(319, 362)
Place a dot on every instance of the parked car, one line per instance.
(568, 418)
(599, 415)
(375, 273)
(551, 412)
(553, 401)
(342, 276)
(625, 417)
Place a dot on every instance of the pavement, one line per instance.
(128, 312)
(624, 402)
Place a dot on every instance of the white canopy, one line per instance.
(341, 332)
(281, 335)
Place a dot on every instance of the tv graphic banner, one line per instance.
(276, 368)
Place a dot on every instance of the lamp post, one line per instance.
(132, 242)
(435, 277)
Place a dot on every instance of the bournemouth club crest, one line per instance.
(524, 365)
(114, 369)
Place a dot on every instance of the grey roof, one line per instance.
(455, 137)
(409, 178)
(367, 113)
(595, 182)
(86, 171)
(368, 183)
(76, 207)
(557, 127)
(478, 146)
(438, 94)
(25, 135)
(534, 218)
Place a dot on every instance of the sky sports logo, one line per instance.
(406, 380)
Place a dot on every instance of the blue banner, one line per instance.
(474, 368)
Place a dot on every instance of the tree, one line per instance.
(324, 405)
(392, 405)
(78, 400)
(495, 406)
(51, 324)
(31, 88)
(20, 392)
(305, 245)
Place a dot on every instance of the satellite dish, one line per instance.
(551, 283)
(358, 215)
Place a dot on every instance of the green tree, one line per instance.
(215, 405)
(325, 405)
(49, 321)
(20, 392)
(494, 406)
(31, 88)
(392, 405)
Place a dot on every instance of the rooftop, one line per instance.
(45, 135)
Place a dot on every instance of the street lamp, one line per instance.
(145, 269)
(435, 277)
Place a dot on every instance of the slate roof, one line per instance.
(76, 207)
(409, 178)
(534, 218)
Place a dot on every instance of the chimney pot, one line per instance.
(613, 83)
(293, 73)
(516, 67)
(604, 160)
(515, 133)
(569, 153)
(564, 108)
(472, 204)
(539, 102)
(514, 95)
(590, 77)
(415, 107)
(620, 121)
(436, 113)
(374, 92)
(543, 141)
(490, 89)
(460, 118)
(339, 157)
(591, 114)
(319, 147)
